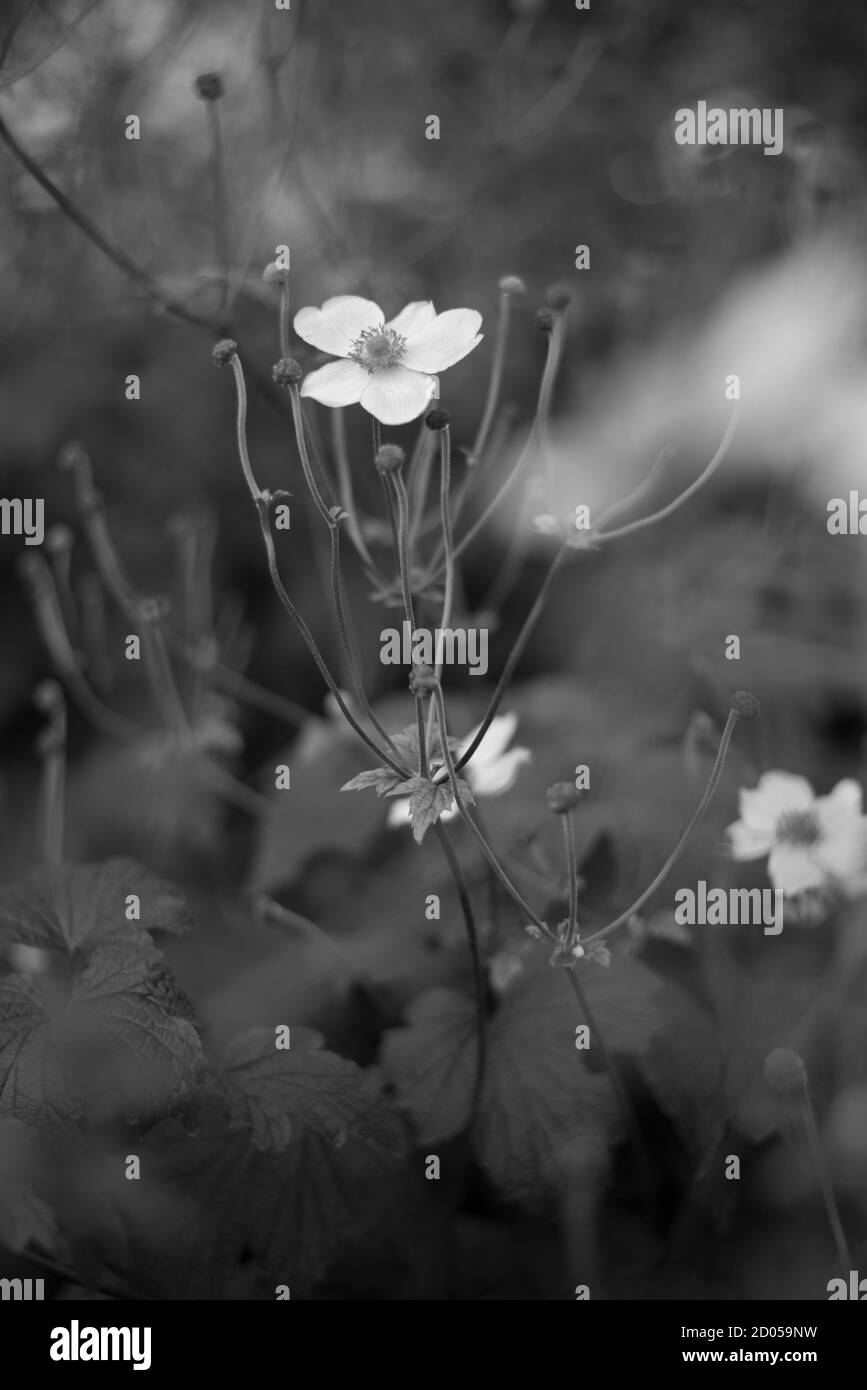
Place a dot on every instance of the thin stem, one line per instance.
(546, 387)
(691, 827)
(419, 476)
(261, 500)
(572, 875)
(448, 544)
(403, 546)
(283, 325)
(346, 491)
(51, 746)
(43, 56)
(298, 421)
(684, 496)
(474, 829)
(496, 380)
(479, 981)
(546, 392)
(616, 508)
(833, 1211)
(221, 201)
(515, 655)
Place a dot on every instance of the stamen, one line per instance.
(798, 828)
(377, 348)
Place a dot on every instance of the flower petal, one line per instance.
(843, 854)
(398, 811)
(498, 736)
(794, 869)
(841, 805)
(337, 383)
(397, 395)
(444, 341)
(413, 317)
(747, 843)
(776, 793)
(493, 778)
(340, 321)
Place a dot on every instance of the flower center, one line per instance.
(377, 348)
(798, 828)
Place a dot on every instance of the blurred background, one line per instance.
(556, 129)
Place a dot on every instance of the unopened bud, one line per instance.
(745, 705)
(437, 419)
(561, 797)
(422, 680)
(558, 296)
(390, 458)
(225, 350)
(785, 1072)
(286, 372)
(513, 286)
(275, 274)
(209, 86)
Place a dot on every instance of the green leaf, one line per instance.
(428, 800)
(76, 907)
(541, 1104)
(279, 1092)
(116, 1039)
(383, 779)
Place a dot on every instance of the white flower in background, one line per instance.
(812, 842)
(490, 772)
(389, 368)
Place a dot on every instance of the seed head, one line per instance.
(437, 419)
(745, 705)
(275, 274)
(785, 1072)
(209, 86)
(513, 286)
(422, 680)
(224, 352)
(287, 372)
(561, 797)
(558, 296)
(390, 458)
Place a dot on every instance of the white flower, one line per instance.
(811, 842)
(491, 770)
(390, 368)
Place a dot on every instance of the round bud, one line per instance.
(390, 458)
(153, 609)
(513, 286)
(561, 797)
(558, 296)
(437, 419)
(785, 1072)
(422, 680)
(225, 350)
(275, 274)
(209, 86)
(745, 705)
(287, 372)
(544, 320)
(72, 455)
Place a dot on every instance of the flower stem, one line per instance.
(51, 746)
(682, 497)
(345, 488)
(515, 654)
(261, 501)
(479, 981)
(496, 380)
(477, 835)
(686, 836)
(572, 875)
(283, 321)
(828, 1197)
(221, 201)
(534, 438)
